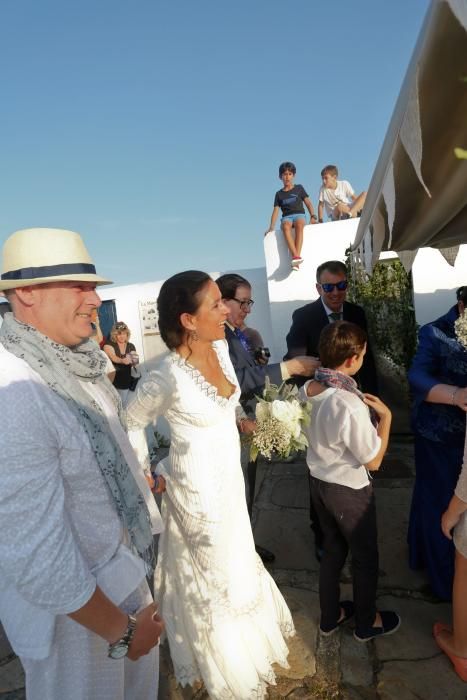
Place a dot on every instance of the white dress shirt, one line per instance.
(61, 534)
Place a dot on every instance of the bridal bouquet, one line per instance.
(460, 329)
(280, 418)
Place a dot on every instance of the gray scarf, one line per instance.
(62, 368)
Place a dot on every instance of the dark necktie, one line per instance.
(335, 316)
(243, 339)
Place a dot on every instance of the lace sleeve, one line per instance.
(152, 399)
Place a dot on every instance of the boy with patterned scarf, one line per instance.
(348, 435)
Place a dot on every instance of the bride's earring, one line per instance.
(193, 335)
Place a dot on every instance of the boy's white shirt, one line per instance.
(341, 438)
(342, 193)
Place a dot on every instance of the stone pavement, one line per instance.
(405, 666)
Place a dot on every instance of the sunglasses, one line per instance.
(329, 286)
(121, 327)
(247, 304)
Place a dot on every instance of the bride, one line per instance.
(225, 618)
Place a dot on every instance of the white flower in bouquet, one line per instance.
(270, 437)
(289, 413)
(280, 418)
(460, 329)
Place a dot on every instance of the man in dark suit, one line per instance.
(251, 374)
(308, 321)
(303, 338)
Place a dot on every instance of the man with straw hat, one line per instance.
(76, 515)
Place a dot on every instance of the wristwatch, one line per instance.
(119, 649)
(313, 216)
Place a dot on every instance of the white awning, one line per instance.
(418, 193)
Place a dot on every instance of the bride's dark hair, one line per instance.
(178, 295)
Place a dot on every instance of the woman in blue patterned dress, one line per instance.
(437, 378)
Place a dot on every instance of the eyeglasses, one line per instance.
(329, 286)
(246, 304)
(121, 327)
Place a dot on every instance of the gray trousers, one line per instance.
(348, 521)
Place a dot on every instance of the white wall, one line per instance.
(435, 282)
(290, 289)
(126, 302)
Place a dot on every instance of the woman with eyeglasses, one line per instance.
(225, 618)
(236, 293)
(124, 357)
(251, 371)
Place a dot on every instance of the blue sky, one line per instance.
(156, 128)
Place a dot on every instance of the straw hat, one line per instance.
(41, 255)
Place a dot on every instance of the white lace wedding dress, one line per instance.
(225, 618)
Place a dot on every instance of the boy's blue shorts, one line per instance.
(293, 217)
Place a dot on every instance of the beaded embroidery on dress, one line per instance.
(225, 618)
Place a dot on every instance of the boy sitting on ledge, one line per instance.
(338, 197)
(290, 199)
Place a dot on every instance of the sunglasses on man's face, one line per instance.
(329, 286)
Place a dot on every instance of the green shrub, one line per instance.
(387, 297)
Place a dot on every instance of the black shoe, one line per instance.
(347, 612)
(265, 554)
(390, 624)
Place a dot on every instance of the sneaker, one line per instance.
(297, 260)
(391, 623)
(347, 612)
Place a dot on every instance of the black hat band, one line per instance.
(30, 273)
